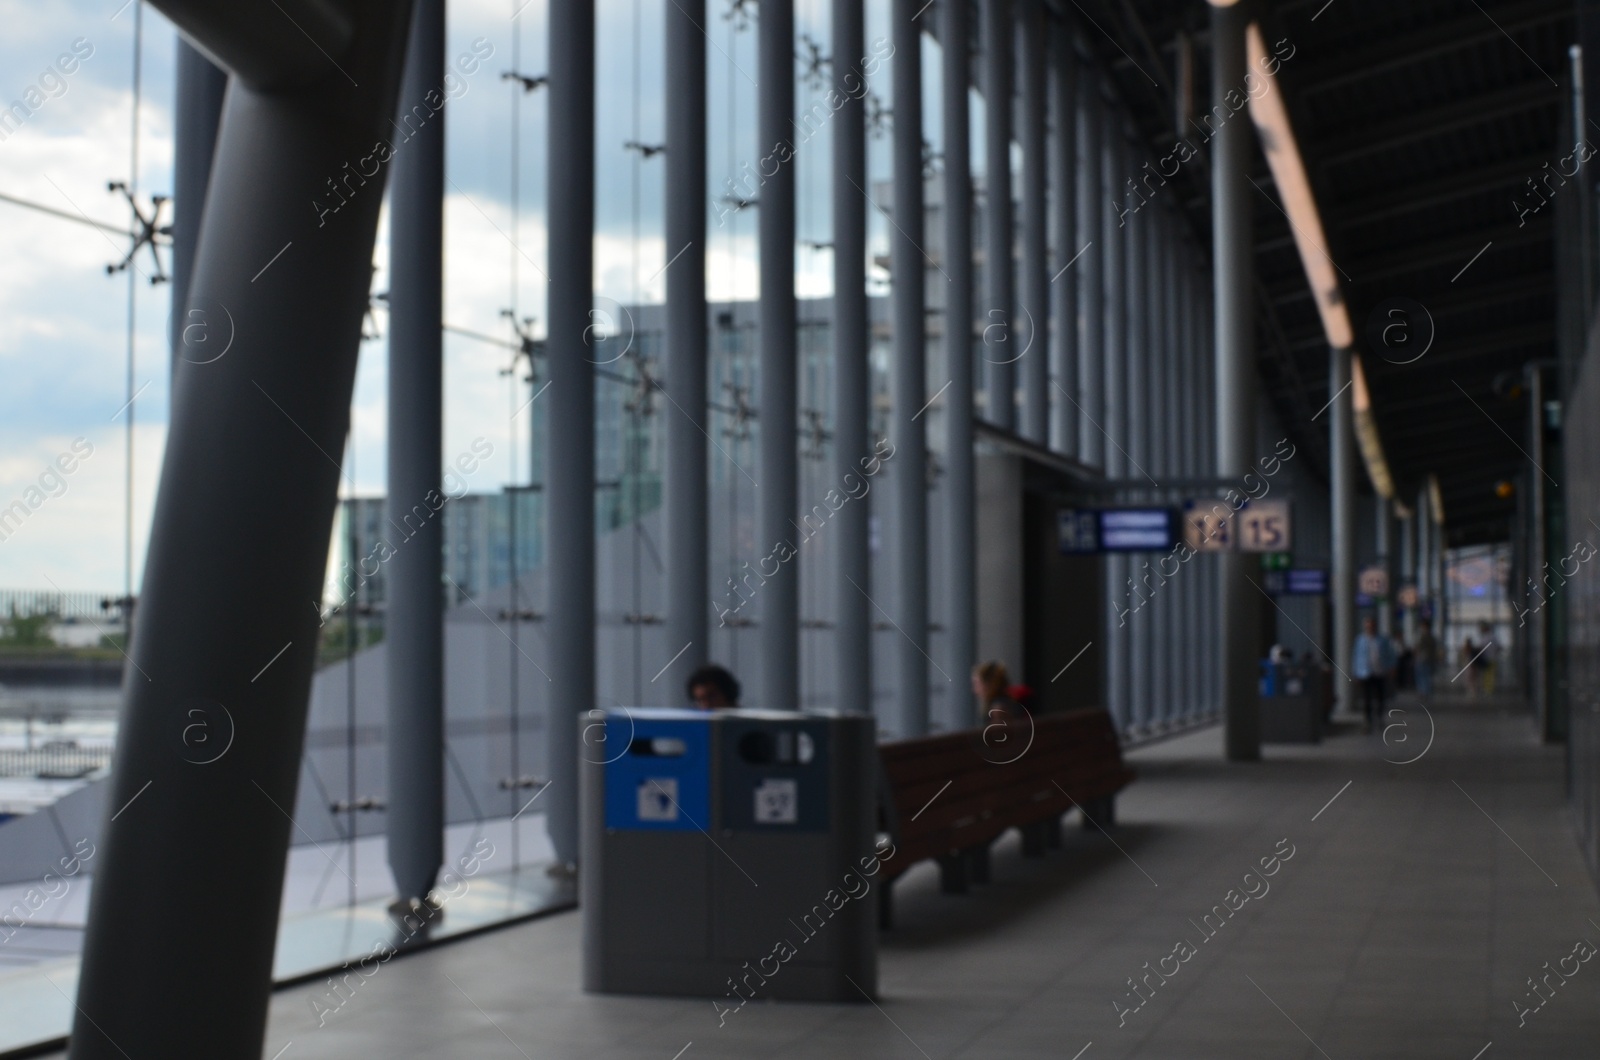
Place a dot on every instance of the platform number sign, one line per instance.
(1214, 526)
(1264, 527)
(1208, 529)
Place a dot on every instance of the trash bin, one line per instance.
(729, 855)
(1291, 709)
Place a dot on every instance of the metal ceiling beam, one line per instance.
(1456, 251)
(1462, 113)
(1496, 292)
(1439, 38)
(1446, 412)
(1400, 200)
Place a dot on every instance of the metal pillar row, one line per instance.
(1090, 269)
(851, 377)
(1064, 346)
(1115, 424)
(1032, 331)
(908, 389)
(999, 316)
(960, 482)
(1385, 560)
(687, 536)
(1342, 501)
(1171, 382)
(778, 496)
(571, 409)
(1142, 641)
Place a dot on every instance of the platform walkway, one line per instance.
(1417, 901)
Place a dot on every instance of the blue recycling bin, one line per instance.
(725, 854)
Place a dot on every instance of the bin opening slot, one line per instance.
(658, 747)
(785, 747)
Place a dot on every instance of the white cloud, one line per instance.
(63, 352)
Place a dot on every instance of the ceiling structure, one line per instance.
(1421, 123)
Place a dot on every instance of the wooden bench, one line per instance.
(949, 797)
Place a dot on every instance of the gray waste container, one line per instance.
(729, 855)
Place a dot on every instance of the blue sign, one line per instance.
(1305, 581)
(1137, 530)
(1081, 531)
(1077, 531)
(660, 777)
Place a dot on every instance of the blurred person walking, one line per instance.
(1373, 666)
(1426, 658)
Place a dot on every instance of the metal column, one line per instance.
(1205, 465)
(780, 474)
(960, 486)
(1189, 444)
(1064, 197)
(1171, 384)
(1425, 586)
(414, 626)
(197, 108)
(909, 392)
(1035, 282)
(1232, 230)
(1408, 573)
(999, 315)
(240, 529)
(1115, 424)
(851, 377)
(1156, 426)
(1208, 439)
(1441, 581)
(1091, 207)
(1342, 502)
(571, 409)
(685, 496)
(1385, 608)
(1142, 646)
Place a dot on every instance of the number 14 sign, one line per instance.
(1262, 526)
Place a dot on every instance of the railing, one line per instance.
(99, 606)
(53, 761)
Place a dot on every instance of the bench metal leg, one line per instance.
(1100, 813)
(953, 873)
(886, 906)
(1052, 833)
(1034, 839)
(978, 863)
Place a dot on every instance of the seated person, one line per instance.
(712, 687)
(991, 684)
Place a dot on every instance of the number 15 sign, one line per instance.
(1262, 526)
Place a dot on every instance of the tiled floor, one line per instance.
(1417, 901)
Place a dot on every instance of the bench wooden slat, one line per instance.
(952, 793)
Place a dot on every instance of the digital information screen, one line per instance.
(1305, 581)
(1084, 531)
(1137, 529)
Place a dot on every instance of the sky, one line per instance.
(64, 351)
